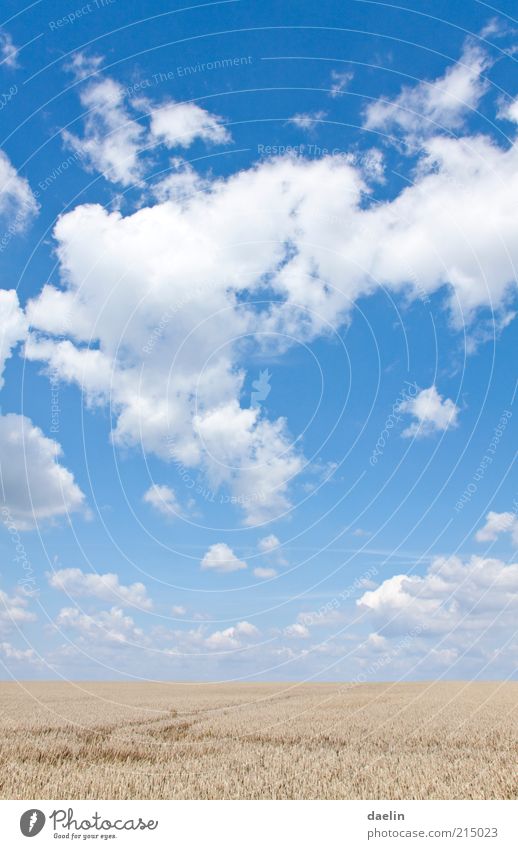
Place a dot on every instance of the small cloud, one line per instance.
(360, 532)
(81, 65)
(232, 638)
(105, 587)
(297, 630)
(221, 558)
(8, 51)
(268, 543)
(163, 499)
(431, 411)
(264, 572)
(307, 120)
(178, 610)
(341, 80)
(496, 524)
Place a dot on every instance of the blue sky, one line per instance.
(258, 341)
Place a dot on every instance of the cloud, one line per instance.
(105, 587)
(23, 655)
(36, 486)
(221, 558)
(108, 626)
(178, 610)
(269, 543)
(432, 413)
(340, 81)
(112, 139)
(115, 143)
(297, 630)
(232, 638)
(13, 326)
(8, 51)
(300, 230)
(453, 596)
(264, 572)
(430, 107)
(307, 120)
(496, 524)
(13, 612)
(163, 499)
(82, 65)
(17, 202)
(180, 124)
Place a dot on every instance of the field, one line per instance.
(258, 741)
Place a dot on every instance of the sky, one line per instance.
(258, 341)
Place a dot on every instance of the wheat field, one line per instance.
(258, 741)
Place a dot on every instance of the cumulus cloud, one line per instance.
(163, 499)
(442, 104)
(497, 524)
(221, 558)
(13, 326)
(180, 124)
(17, 202)
(269, 543)
(13, 611)
(35, 485)
(10, 652)
(301, 230)
(264, 572)
(112, 139)
(105, 587)
(432, 413)
(233, 638)
(116, 140)
(108, 626)
(8, 51)
(307, 120)
(340, 81)
(297, 630)
(453, 597)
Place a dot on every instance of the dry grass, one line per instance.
(258, 741)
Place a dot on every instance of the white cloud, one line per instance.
(105, 587)
(163, 499)
(232, 638)
(268, 543)
(297, 630)
(116, 144)
(180, 124)
(496, 524)
(36, 486)
(107, 626)
(82, 65)
(24, 655)
(8, 51)
(178, 610)
(13, 612)
(340, 81)
(13, 326)
(430, 107)
(307, 120)
(221, 558)
(264, 572)
(17, 202)
(112, 139)
(302, 230)
(469, 596)
(432, 413)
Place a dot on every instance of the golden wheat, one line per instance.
(258, 741)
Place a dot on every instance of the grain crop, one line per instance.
(82, 740)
